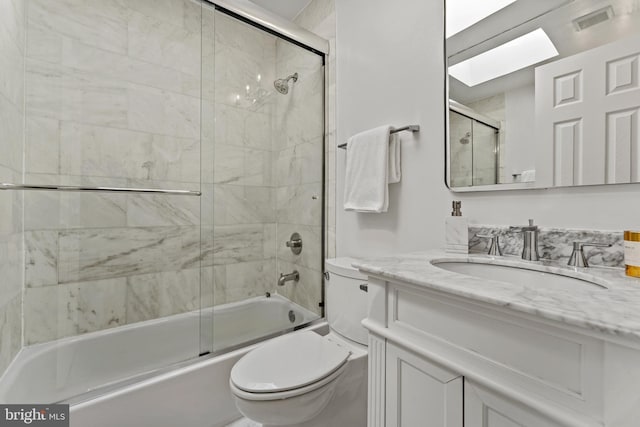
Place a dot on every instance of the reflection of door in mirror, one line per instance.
(474, 152)
(587, 116)
(562, 80)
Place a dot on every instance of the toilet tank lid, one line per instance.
(342, 267)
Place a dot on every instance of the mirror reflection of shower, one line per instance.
(282, 85)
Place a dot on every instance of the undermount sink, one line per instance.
(517, 275)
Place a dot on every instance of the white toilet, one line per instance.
(306, 379)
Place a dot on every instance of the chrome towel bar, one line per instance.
(410, 128)
(6, 186)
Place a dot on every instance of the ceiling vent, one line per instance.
(593, 18)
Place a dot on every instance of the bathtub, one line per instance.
(103, 366)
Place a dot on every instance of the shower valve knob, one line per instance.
(295, 243)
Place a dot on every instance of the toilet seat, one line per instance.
(289, 365)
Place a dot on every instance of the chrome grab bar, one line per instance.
(7, 186)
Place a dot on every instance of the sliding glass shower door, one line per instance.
(174, 160)
(474, 152)
(112, 99)
(265, 114)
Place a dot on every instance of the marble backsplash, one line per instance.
(554, 244)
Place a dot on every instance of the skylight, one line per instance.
(462, 14)
(514, 55)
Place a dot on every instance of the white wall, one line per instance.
(390, 71)
(520, 106)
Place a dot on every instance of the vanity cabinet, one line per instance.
(437, 359)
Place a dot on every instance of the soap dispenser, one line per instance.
(456, 231)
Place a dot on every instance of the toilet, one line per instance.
(308, 380)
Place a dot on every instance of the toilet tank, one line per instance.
(346, 302)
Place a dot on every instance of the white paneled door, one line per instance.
(587, 117)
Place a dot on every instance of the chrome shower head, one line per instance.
(465, 139)
(282, 85)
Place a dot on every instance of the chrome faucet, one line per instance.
(284, 278)
(530, 246)
(577, 256)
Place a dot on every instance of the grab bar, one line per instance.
(410, 128)
(7, 186)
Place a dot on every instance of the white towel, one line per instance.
(370, 169)
(395, 172)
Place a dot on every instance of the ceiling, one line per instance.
(516, 19)
(288, 9)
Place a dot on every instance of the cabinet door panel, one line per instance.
(420, 393)
(483, 408)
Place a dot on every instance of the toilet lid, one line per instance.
(288, 362)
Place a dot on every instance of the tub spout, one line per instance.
(284, 278)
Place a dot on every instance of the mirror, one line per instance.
(542, 93)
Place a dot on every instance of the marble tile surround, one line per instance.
(12, 93)
(299, 144)
(100, 261)
(268, 167)
(113, 97)
(554, 244)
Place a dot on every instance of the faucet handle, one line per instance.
(494, 245)
(577, 258)
(579, 245)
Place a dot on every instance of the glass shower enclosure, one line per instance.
(474, 151)
(171, 151)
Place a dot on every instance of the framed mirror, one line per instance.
(542, 93)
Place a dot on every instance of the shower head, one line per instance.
(282, 85)
(465, 139)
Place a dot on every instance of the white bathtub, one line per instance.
(83, 367)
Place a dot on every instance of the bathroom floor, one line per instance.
(244, 422)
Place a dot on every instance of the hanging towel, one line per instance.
(395, 173)
(368, 170)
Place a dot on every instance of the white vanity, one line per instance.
(544, 347)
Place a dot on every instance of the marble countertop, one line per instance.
(613, 309)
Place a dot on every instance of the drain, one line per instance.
(292, 316)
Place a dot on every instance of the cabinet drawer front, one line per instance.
(551, 358)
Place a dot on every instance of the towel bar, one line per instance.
(410, 128)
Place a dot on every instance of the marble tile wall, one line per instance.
(299, 147)
(268, 160)
(165, 95)
(113, 98)
(12, 50)
(244, 192)
(554, 244)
